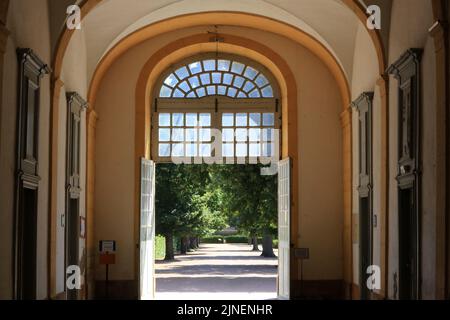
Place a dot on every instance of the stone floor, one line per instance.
(218, 272)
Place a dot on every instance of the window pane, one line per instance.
(254, 135)
(178, 119)
(191, 95)
(267, 92)
(261, 81)
(211, 90)
(232, 92)
(267, 150)
(166, 92)
(205, 150)
(268, 119)
(205, 135)
(241, 135)
(191, 120)
(205, 120)
(206, 79)
(242, 95)
(195, 82)
(164, 150)
(228, 135)
(237, 68)
(228, 150)
(254, 150)
(164, 119)
(201, 92)
(191, 150)
(241, 120)
(255, 119)
(227, 79)
(177, 134)
(209, 65)
(195, 67)
(178, 150)
(171, 80)
(178, 94)
(184, 86)
(248, 86)
(254, 94)
(164, 135)
(250, 73)
(222, 90)
(191, 135)
(241, 150)
(217, 78)
(224, 65)
(228, 119)
(182, 73)
(238, 82)
(268, 135)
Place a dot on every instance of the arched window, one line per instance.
(229, 93)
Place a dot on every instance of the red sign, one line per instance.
(106, 258)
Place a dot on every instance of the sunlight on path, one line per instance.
(218, 272)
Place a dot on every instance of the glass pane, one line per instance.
(205, 78)
(191, 150)
(267, 92)
(250, 73)
(254, 150)
(178, 94)
(268, 135)
(205, 135)
(254, 94)
(184, 86)
(164, 150)
(255, 119)
(228, 150)
(248, 86)
(238, 82)
(224, 65)
(201, 92)
(261, 81)
(241, 150)
(205, 119)
(228, 120)
(217, 78)
(228, 135)
(267, 150)
(178, 135)
(205, 150)
(195, 67)
(211, 90)
(254, 135)
(209, 65)
(178, 150)
(191, 135)
(237, 68)
(268, 119)
(227, 79)
(191, 95)
(164, 119)
(191, 120)
(178, 119)
(166, 92)
(164, 135)
(171, 80)
(241, 135)
(182, 73)
(232, 92)
(222, 90)
(195, 82)
(241, 120)
(242, 94)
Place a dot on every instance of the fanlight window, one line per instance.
(217, 77)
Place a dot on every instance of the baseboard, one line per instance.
(318, 290)
(117, 290)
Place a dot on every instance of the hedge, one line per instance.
(160, 248)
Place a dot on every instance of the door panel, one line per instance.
(284, 211)
(147, 234)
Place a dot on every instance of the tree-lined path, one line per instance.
(218, 272)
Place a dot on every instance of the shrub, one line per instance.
(236, 239)
(212, 239)
(160, 248)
